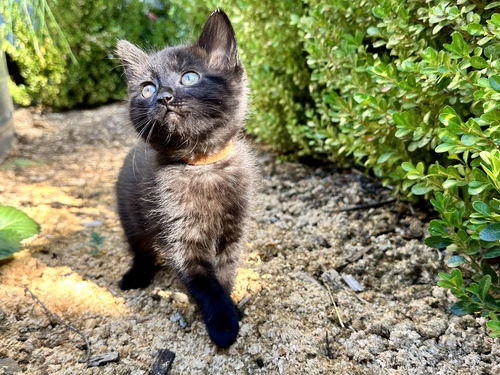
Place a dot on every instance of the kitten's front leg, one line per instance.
(196, 271)
(227, 261)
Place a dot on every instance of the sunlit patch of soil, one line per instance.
(62, 290)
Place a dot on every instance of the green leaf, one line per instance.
(449, 183)
(475, 29)
(13, 219)
(456, 276)
(492, 253)
(437, 242)
(494, 81)
(379, 11)
(490, 233)
(10, 242)
(458, 45)
(478, 62)
(420, 189)
(469, 139)
(456, 261)
(476, 187)
(492, 5)
(384, 157)
(463, 308)
(484, 286)
(481, 207)
(444, 147)
(449, 117)
(494, 325)
(407, 166)
(495, 20)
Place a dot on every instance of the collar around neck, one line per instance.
(204, 159)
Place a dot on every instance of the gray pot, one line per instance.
(6, 110)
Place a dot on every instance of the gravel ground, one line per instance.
(299, 315)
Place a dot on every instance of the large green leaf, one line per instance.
(10, 242)
(15, 220)
(490, 233)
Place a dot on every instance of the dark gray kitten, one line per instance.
(184, 191)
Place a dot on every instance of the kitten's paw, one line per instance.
(222, 325)
(135, 279)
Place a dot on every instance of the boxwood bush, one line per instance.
(411, 90)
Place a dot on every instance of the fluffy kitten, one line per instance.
(183, 192)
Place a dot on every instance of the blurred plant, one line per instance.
(15, 226)
(96, 242)
(89, 30)
(20, 163)
(39, 19)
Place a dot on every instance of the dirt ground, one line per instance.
(299, 315)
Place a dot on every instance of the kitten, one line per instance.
(184, 191)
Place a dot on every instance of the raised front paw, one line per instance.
(222, 324)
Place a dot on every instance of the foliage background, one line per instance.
(49, 74)
(408, 89)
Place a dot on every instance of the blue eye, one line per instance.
(148, 90)
(190, 78)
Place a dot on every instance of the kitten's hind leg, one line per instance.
(142, 271)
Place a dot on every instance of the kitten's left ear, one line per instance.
(219, 41)
(132, 57)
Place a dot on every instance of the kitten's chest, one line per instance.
(207, 192)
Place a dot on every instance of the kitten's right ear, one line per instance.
(219, 41)
(133, 58)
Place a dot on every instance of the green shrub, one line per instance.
(271, 51)
(411, 91)
(91, 28)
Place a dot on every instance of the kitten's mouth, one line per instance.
(173, 108)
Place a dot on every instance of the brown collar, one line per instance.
(203, 159)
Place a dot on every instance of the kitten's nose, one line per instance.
(165, 97)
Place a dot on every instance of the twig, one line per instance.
(332, 300)
(60, 321)
(364, 206)
(329, 353)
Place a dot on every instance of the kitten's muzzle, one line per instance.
(164, 98)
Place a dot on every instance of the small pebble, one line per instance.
(93, 223)
(102, 359)
(178, 317)
(352, 283)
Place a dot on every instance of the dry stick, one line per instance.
(329, 353)
(59, 320)
(364, 206)
(332, 300)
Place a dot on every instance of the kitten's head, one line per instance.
(187, 99)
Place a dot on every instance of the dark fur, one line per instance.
(190, 216)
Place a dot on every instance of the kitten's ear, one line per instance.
(219, 41)
(133, 58)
